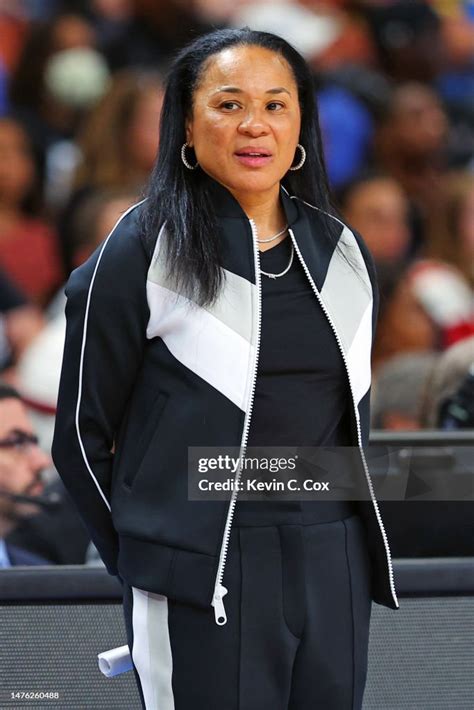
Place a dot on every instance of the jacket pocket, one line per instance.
(150, 425)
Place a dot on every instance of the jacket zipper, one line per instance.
(219, 590)
(359, 435)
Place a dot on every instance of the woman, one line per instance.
(29, 249)
(169, 346)
(451, 234)
(118, 144)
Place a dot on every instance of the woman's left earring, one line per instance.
(303, 158)
(185, 160)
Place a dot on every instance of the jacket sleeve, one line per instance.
(106, 320)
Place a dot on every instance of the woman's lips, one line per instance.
(253, 161)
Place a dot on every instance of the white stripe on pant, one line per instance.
(151, 651)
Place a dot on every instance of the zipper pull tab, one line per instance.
(219, 610)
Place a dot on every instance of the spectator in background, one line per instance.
(455, 84)
(76, 79)
(428, 306)
(443, 385)
(403, 325)
(408, 37)
(120, 138)
(377, 207)
(29, 533)
(397, 391)
(28, 244)
(410, 145)
(59, 77)
(157, 29)
(118, 143)
(57, 534)
(451, 236)
(20, 323)
(21, 465)
(45, 121)
(111, 20)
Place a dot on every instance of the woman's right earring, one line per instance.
(185, 160)
(303, 158)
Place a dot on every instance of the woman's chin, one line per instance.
(252, 182)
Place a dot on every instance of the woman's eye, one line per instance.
(275, 106)
(229, 105)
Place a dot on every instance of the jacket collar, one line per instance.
(226, 205)
(316, 250)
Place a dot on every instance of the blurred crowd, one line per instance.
(81, 85)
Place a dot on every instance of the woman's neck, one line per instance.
(266, 211)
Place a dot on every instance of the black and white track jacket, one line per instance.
(145, 376)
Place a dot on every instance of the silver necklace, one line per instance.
(275, 276)
(275, 236)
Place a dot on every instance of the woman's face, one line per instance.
(419, 121)
(142, 134)
(378, 210)
(405, 325)
(246, 120)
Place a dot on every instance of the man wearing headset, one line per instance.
(21, 465)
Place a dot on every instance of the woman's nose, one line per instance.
(254, 124)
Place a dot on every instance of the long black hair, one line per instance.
(180, 196)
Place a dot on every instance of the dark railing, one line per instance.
(423, 437)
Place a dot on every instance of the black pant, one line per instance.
(296, 638)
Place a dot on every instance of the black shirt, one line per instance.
(301, 390)
(302, 396)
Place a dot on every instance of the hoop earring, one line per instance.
(185, 160)
(303, 158)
